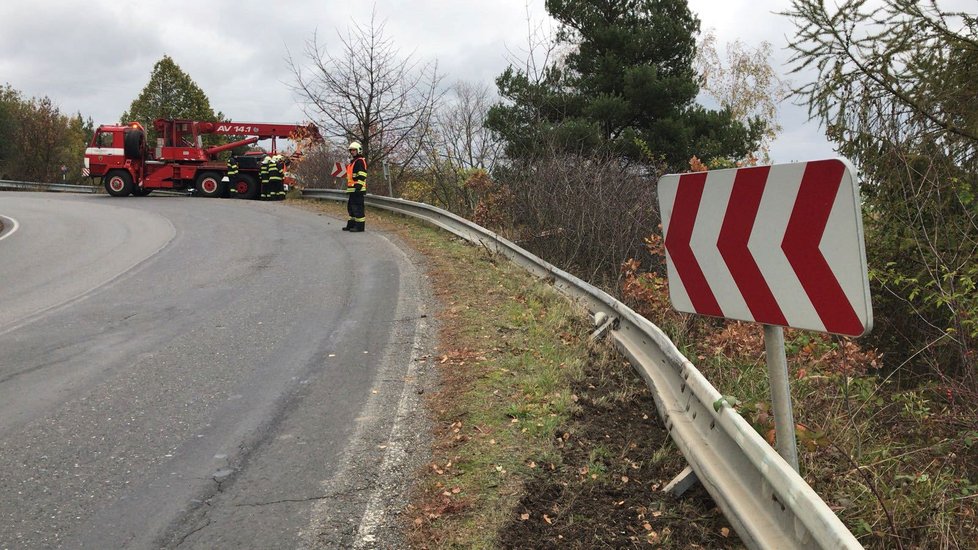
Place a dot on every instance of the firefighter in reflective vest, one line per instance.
(276, 170)
(271, 178)
(232, 174)
(356, 188)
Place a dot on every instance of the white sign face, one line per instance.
(779, 245)
(338, 170)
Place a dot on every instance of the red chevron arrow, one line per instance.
(688, 195)
(738, 222)
(819, 187)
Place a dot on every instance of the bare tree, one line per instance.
(368, 92)
(745, 82)
(457, 146)
(467, 143)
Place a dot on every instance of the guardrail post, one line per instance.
(682, 482)
(777, 369)
(603, 322)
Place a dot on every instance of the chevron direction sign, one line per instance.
(338, 170)
(780, 245)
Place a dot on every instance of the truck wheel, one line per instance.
(133, 143)
(209, 184)
(246, 186)
(118, 184)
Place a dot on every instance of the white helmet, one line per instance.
(355, 146)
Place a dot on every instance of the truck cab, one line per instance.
(107, 150)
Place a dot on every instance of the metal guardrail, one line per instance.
(71, 188)
(766, 501)
(36, 186)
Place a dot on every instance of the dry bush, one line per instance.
(583, 213)
(313, 169)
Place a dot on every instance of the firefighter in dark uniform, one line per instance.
(263, 176)
(232, 173)
(356, 188)
(270, 174)
(276, 171)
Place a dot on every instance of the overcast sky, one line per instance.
(95, 56)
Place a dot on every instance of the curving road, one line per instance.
(200, 373)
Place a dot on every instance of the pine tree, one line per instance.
(628, 83)
(170, 93)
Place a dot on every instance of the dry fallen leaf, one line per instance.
(524, 517)
(547, 519)
(725, 532)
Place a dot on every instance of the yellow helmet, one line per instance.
(355, 146)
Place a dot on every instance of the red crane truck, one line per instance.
(127, 165)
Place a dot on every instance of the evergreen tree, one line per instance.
(170, 93)
(897, 91)
(628, 83)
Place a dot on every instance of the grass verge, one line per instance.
(542, 438)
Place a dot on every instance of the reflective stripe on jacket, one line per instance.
(356, 172)
(274, 172)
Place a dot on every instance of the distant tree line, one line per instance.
(37, 139)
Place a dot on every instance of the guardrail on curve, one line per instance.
(72, 188)
(37, 186)
(765, 500)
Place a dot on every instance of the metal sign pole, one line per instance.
(777, 368)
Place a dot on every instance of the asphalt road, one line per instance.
(203, 373)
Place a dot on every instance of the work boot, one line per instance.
(349, 225)
(357, 227)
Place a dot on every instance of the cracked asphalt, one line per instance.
(195, 373)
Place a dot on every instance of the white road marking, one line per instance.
(16, 226)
